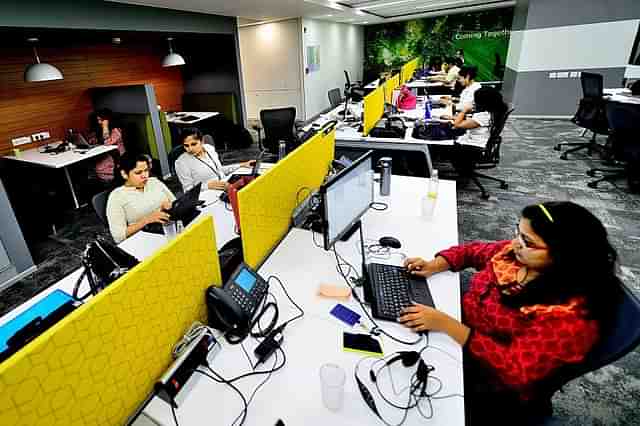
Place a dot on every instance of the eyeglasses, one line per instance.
(525, 243)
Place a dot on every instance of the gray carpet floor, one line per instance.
(610, 396)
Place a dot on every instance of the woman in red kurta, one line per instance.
(536, 303)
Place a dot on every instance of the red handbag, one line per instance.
(232, 191)
(407, 100)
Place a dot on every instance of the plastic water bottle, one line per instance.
(429, 200)
(427, 108)
(282, 150)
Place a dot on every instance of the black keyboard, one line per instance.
(392, 288)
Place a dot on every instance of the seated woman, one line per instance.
(139, 201)
(489, 109)
(200, 163)
(538, 302)
(105, 133)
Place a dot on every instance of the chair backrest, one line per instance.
(278, 124)
(620, 337)
(491, 153)
(624, 125)
(99, 203)
(592, 85)
(175, 152)
(335, 97)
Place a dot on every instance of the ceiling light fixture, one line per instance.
(172, 59)
(40, 71)
(390, 3)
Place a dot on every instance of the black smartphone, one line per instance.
(361, 343)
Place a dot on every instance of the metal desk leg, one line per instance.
(73, 192)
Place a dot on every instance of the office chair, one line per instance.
(335, 97)
(278, 125)
(624, 122)
(617, 338)
(467, 160)
(99, 203)
(590, 115)
(176, 152)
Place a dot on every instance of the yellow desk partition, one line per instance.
(267, 203)
(373, 108)
(97, 365)
(390, 85)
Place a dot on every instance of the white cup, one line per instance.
(170, 230)
(332, 378)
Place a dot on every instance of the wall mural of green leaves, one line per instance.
(484, 37)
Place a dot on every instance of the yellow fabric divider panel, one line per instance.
(98, 364)
(373, 109)
(267, 203)
(389, 86)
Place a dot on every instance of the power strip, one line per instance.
(193, 356)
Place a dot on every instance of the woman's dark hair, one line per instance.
(583, 262)
(105, 114)
(127, 162)
(190, 131)
(469, 71)
(456, 61)
(490, 100)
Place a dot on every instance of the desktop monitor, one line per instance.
(346, 197)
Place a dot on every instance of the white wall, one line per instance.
(601, 45)
(271, 56)
(341, 48)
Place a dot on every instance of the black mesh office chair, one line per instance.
(335, 97)
(176, 152)
(467, 160)
(624, 124)
(278, 125)
(590, 115)
(99, 203)
(617, 338)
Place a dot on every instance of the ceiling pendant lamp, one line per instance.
(40, 71)
(172, 59)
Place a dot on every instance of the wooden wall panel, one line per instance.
(27, 108)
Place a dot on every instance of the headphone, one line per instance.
(408, 359)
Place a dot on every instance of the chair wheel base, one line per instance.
(557, 148)
(484, 196)
(504, 185)
(591, 173)
(592, 185)
(564, 157)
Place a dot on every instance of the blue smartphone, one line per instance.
(345, 314)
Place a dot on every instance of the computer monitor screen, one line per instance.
(346, 197)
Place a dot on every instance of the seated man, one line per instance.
(450, 78)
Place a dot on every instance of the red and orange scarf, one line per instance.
(506, 268)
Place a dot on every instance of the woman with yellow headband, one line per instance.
(537, 303)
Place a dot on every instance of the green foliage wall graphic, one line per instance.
(484, 36)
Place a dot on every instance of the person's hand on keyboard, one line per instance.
(422, 318)
(423, 268)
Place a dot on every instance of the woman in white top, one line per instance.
(141, 200)
(489, 108)
(200, 163)
(467, 78)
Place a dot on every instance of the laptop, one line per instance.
(80, 142)
(255, 171)
(183, 208)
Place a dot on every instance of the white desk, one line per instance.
(176, 117)
(293, 393)
(61, 161)
(422, 84)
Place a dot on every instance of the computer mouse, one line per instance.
(389, 242)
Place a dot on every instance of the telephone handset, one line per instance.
(232, 307)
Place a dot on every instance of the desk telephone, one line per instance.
(232, 307)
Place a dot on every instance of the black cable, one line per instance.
(313, 237)
(381, 206)
(173, 411)
(376, 328)
(232, 386)
(211, 203)
(260, 384)
(300, 315)
(248, 357)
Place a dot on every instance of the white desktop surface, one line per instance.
(174, 117)
(423, 84)
(293, 393)
(58, 161)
